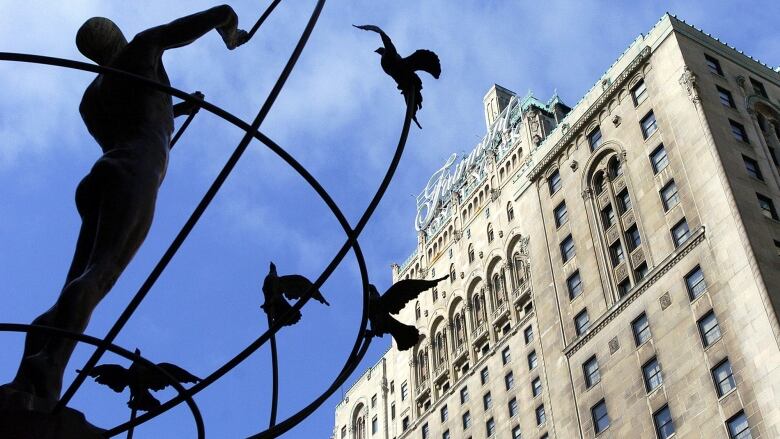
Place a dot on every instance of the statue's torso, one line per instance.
(131, 122)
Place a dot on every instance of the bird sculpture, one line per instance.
(140, 379)
(292, 286)
(392, 302)
(402, 70)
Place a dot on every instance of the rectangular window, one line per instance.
(738, 427)
(641, 271)
(709, 329)
(554, 182)
(639, 92)
(590, 370)
(464, 395)
(600, 416)
(567, 248)
(490, 427)
(574, 284)
(487, 401)
(624, 287)
(505, 356)
(483, 375)
(659, 159)
(669, 195)
(738, 130)
(649, 125)
(374, 425)
(752, 168)
(404, 391)
(581, 322)
(664, 427)
(444, 413)
(540, 416)
(633, 240)
(773, 153)
(680, 232)
(512, 407)
(714, 65)
(373, 401)
(425, 431)
(561, 215)
(516, 432)
(608, 216)
(392, 410)
(405, 423)
(652, 374)
(532, 361)
(641, 329)
(466, 420)
(445, 435)
(723, 377)
(758, 88)
(594, 139)
(536, 387)
(725, 97)
(343, 432)
(616, 253)
(624, 201)
(695, 283)
(528, 334)
(767, 206)
(777, 247)
(509, 380)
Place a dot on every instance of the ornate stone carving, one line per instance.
(603, 198)
(587, 194)
(665, 301)
(620, 183)
(621, 272)
(616, 120)
(500, 233)
(612, 234)
(614, 345)
(573, 165)
(740, 81)
(638, 256)
(480, 254)
(524, 245)
(629, 219)
(688, 81)
(494, 194)
(537, 139)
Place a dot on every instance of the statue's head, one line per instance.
(100, 40)
(380, 51)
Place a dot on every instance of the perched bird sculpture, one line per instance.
(140, 379)
(402, 70)
(392, 302)
(292, 286)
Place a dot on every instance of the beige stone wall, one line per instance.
(730, 240)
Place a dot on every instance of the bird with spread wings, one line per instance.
(292, 286)
(392, 302)
(402, 70)
(140, 379)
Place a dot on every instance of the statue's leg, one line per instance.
(124, 218)
(87, 202)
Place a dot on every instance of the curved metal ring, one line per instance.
(122, 352)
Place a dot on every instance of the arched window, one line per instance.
(480, 313)
(417, 310)
(510, 211)
(471, 253)
(519, 269)
(452, 273)
(615, 168)
(460, 330)
(359, 424)
(598, 183)
(440, 348)
(490, 232)
(422, 366)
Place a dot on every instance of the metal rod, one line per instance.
(274, 378)
(262, 18)
(182, 128)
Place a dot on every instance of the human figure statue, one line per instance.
(133, 124)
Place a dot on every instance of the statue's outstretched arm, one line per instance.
(187, 29)
(186, 108)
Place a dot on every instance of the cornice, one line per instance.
(594, 108)
(649, 281)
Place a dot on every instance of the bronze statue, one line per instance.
(402, 70)
(292, 286)
(133, 124)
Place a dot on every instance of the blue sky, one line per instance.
(339, 115)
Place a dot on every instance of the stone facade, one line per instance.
(612, 266)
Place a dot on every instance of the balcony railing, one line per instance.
(522, 291)
(502, 309)
(479, 332)
(441, 370)
(460, 353)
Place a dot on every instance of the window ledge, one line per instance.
(653, 135)
(727, 394)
